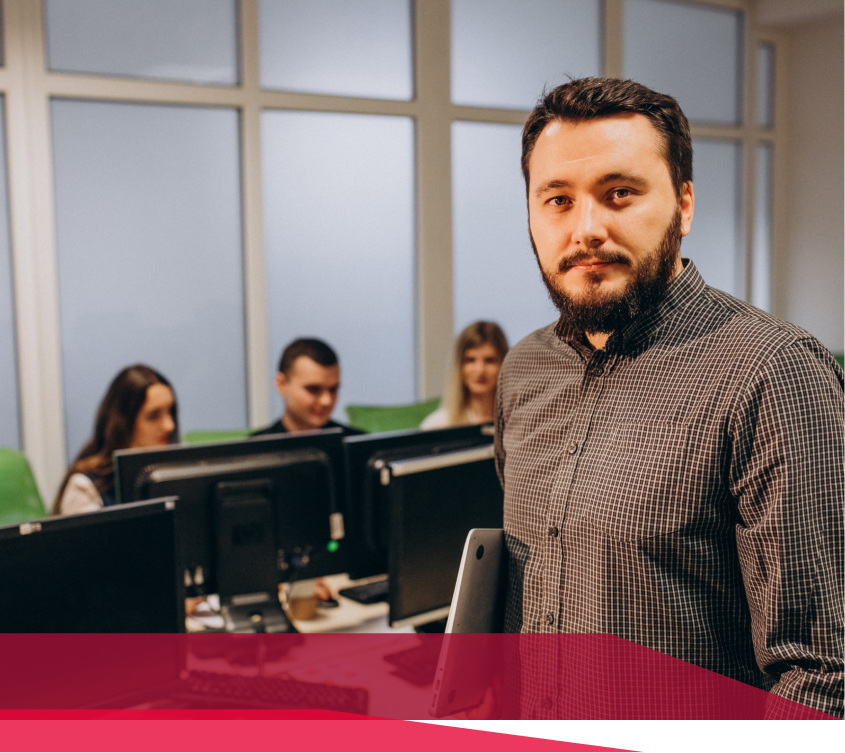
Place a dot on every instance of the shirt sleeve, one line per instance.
(498, 428)
(80, 495)
(786, 475)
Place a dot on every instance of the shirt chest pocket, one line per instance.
(640, 486)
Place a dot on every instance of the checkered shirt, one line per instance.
(681, 488)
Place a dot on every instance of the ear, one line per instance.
(281, 383)
(687, 204)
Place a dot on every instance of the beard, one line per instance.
(590, 310)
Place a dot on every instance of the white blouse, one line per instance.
(440, 420)
(80, 495)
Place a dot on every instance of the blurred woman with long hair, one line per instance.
(471, 390)
(138, 410)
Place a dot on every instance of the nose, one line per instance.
(326, 398)
(169, 423)
(588, 230)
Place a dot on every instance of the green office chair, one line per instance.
(378, 418)
(210, 437)
(19, 497)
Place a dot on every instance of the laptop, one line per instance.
(467, 665)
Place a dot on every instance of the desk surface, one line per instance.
(349, 616)
(358, 662)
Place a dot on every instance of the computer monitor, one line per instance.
(368, 506)
(111, 571)
(253, 513)
(435, 500)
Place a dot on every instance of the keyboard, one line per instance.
(368, 593)
(239, 691)
(417, 665)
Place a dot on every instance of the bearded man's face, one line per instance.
(604, 219)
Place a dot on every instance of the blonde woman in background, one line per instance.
(471, 389)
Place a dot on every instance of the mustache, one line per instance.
(596, 254)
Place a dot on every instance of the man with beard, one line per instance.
(671, 457)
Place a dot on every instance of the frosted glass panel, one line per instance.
(339, 247)
(176, 40)
(761, 276)
(765, 85)
(691, 52)
(149, 256)
(504, 53)
(495, 274)
(10, 430)
(714, 243)
(356, 49)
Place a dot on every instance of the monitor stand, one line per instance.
(255, 613)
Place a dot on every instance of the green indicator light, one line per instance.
(332, 546)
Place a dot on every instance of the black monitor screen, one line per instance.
(253, 513)
(435, 502)
(111, 571)
(368, 519)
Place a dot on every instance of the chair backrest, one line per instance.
(378, 418)
(209, 437)
(19, 497)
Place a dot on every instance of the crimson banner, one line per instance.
(355, 676)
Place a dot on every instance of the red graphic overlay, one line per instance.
(346, 677)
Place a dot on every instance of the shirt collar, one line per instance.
(684, 289)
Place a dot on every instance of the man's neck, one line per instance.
(291, 423)
(598, 340)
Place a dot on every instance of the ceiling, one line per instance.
(794, 12)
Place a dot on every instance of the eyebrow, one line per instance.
(628, 178)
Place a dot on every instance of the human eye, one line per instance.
(621, 193)
(559, 201)
(313, 389)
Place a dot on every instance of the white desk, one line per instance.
(357, 662)
(349, 616)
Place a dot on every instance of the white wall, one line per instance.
(810, 271)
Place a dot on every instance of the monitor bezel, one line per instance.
(104, 516)
(360, 452)
(134, 464)
(401, 473)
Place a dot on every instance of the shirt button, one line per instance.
(573, 448)
(553, 532)
(550, 619)
(598, 371)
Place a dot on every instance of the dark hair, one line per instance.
(314, 349)
(590, 98)
(114, 425)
